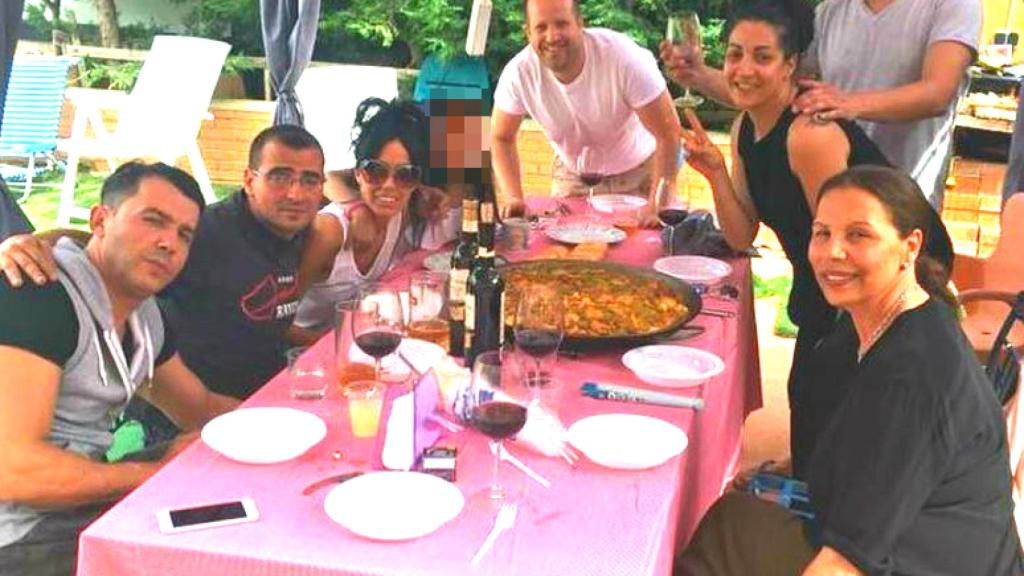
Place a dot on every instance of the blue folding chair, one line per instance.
(31, 120)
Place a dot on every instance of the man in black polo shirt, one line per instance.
(237, 295)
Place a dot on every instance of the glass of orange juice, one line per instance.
(365, 399)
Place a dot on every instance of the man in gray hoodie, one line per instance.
(74, 352)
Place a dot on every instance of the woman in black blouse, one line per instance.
(911, 474)
(779, 160)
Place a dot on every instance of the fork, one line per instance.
(507, 456)
(503, 521)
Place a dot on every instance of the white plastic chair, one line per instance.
(329, 96)
(160, 118)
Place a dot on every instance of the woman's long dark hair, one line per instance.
(909, 211)
(378, 122)
(793, 20)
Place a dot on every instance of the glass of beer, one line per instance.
(347, 370)
(427, 320)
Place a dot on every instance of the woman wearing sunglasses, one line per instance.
(354, 242)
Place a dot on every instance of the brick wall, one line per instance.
(971, 210)
(536, 156)
(972, 205)
(224, 140)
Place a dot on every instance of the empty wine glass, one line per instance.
(672, 209)
(498, 416)
(683, 32)
(377, 323)
(539, 328)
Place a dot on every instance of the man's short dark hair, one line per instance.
(124, 182)
(289, 135)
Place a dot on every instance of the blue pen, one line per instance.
(602, 391)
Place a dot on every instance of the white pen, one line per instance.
(604, 391)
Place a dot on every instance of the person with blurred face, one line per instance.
(601, 101)
(355, 242)
(75, 351)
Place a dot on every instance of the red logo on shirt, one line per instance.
(268, 298)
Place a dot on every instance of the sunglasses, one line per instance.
(404, 175)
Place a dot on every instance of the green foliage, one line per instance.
(234, 21)
(438, 27)
(108, 74)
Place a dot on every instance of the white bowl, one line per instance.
(610, 203)
(673, 366)
(698, 270)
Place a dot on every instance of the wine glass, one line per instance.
(672, 209)
(377, 323)
(587, 167)
(683, 32)
(539, 328)
(498, 416)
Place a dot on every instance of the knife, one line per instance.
(336, 479)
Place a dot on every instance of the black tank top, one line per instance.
(781, 204)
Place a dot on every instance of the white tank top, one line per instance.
(316, 309)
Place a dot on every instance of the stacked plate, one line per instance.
(264, 435)
(673, 366)
(394, 505)
(696, 270)
(627, 441)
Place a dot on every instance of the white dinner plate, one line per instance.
(609, 203)
(627, 441)
(423, 355)
(673, 366)
(589, 232)
(394, 505)
(694, 269)
(264, 435)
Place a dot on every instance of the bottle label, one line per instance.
(487, 213)
(469, 216)
(470, 311)
(485, 252)
(457, 280)
(501, 320)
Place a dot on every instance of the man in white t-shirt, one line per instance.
(601, 101)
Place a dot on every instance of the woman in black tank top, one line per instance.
(779, 161)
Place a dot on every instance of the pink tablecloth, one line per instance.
(591, 521)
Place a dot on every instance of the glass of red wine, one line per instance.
(495, 414)
(539, 328)
(672, 209)
(377, 323)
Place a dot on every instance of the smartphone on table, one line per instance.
(172, 520)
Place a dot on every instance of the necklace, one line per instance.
(887, 321)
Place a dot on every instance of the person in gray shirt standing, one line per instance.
(894, 66)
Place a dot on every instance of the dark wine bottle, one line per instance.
(462, 262)
(485, 295)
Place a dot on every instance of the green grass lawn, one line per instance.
(41, 205)
(777, 287)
